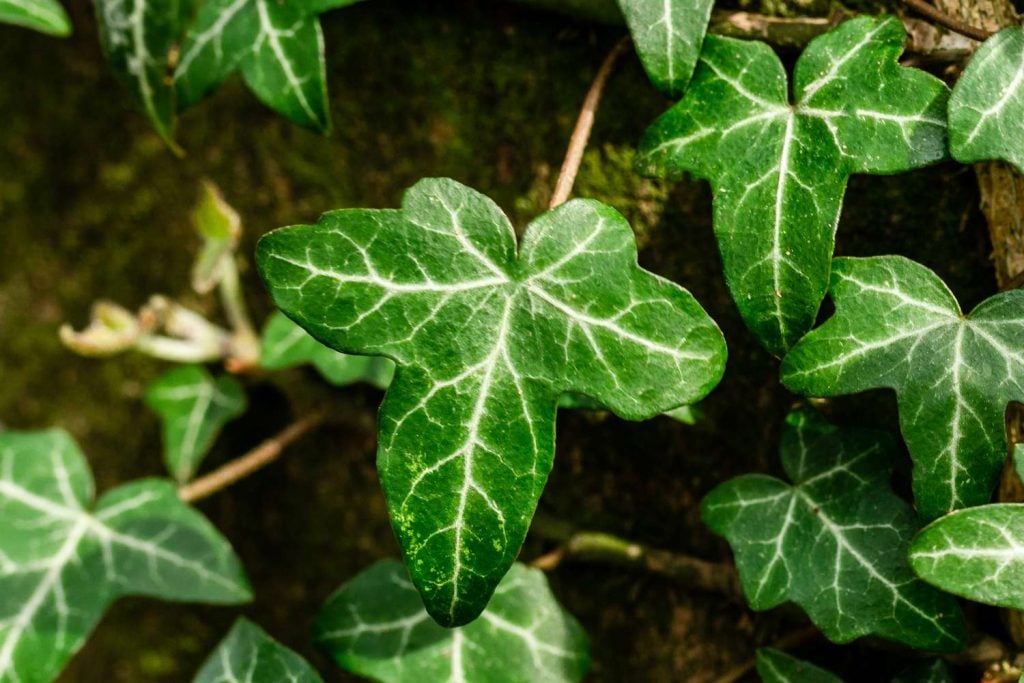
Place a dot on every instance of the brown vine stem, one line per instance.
(242, 466)
(952, 23)
(584, 123)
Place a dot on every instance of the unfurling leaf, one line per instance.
(775, 666)
(193, 407)
(286, 345)
(375, 626)
(248, 654)
(778, 171)
(986, 110)
(220, 227)
(898, 326)
(63, 561)
(486, 340)
(668, 35)
(278, 47)
(835, 540)
(46, 16)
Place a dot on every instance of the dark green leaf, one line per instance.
(248, 654)
(668, 35)
(46, 16)
(778, 667)
(934, 671)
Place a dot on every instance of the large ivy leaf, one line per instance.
(193, 407)
(668, 35)
(375, 626)
(63, 560)
(46, 16)
(248, 654)
(835, 540)
(278, 47)
(775, 666)
(898, 326)
(986, 110)
(485, 341)
(137, 37)
(779, 171)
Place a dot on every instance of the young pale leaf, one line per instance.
(778, 171)
(898, 326)
(486, 341)
(193, 407)
(219, 226)
(835, 540)
(668, 35)
(248, 654)
(278, 47)
(775, 666)
(977, 553)
(63, 561)
(986, 110)
(137, 37)
(286, 345)
(46, 16)
(375, 626)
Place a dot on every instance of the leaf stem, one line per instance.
(241, 467)
(953, 24)
(245, 346)
(584, 124)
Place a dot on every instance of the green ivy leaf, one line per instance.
(1018, 460)
(278, 47)
(934, 671)
(137, 37)
(193, 407)
(220, 227)
(986, 110)
(668, 35)
(63, 561)
(486, 341)
(375, 626)
(779, 171)
(775, 666)
(686, 414)
(834, 542)
(286, 345)
(248, 654)
(977, 553)
(898, 326)
(46, 16)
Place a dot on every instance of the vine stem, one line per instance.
(584, 124)
(952, 23)
(244, 465)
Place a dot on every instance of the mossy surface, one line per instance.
(93, 206)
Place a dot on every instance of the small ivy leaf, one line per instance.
(193, 407)
(775, 666)
(668, 35)
(486, 341)
(934, 671)
(62, 564)
(977, 553)
(220, 227)
(898, 326)
(278, 47)
(375, 626)
(779, 171)
(834, 542)
(986, 110)
(46, 16)
(137, 38)
(248, 654)
(286, 345)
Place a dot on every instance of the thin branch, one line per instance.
(259, 457)
(952, 23)
(584, 123)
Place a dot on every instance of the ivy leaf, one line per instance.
(286, 345)
(486, 341)
(63, 561)
(775, 666)
(668, 35)
(834, 542)
(375, 626)
(898, 326)
(779, 171)
(220, 227)
(986, 110)
(248, 654)
(1018, 460)
(934, 671)
(278, 47)
(193, 407)
(137, 38)
(46, 16)
(686, 414)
